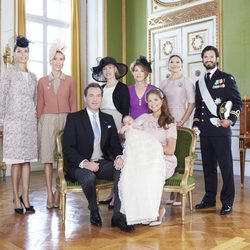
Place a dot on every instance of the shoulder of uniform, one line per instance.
(228, 76)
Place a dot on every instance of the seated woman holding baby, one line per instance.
(148, 161)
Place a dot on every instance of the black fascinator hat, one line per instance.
(142, 60)
(22, 42)
(97, 70)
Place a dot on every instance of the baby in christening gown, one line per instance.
(143, 176)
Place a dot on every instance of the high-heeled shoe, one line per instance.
(50, 205)
(159, 221)
(29, 209)
(19, 210)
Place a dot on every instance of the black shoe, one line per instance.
(95, 218)
(226, 210)
(105, 201)
(18, 210)
(118, 220)
(204, 204)
(29, 209)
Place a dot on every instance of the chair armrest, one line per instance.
(189, 166)
(61, 172)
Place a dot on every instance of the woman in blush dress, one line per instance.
(140, 69)
(144, 173)
(180, 92)
(56, 97)
(19, 125)
(115, 96)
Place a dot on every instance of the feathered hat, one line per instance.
(57, 45)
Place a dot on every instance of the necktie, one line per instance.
(96, 129)
(208, 77)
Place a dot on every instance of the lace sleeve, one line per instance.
(171, 131)
(4, 89)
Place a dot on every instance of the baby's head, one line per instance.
(127, 120)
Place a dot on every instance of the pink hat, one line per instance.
(57, 45)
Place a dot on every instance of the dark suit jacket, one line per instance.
(121, 98)
(222, 86)
(78, 140)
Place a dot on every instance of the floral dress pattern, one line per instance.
(18, 115)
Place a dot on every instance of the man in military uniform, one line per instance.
(218, 105)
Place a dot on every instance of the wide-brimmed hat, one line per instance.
(142, 60)
(97, 74)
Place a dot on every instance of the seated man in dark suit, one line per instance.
(90, 138)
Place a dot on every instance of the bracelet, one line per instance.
(181, 122)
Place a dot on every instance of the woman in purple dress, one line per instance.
(140, 69)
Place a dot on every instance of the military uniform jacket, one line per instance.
(222, 88)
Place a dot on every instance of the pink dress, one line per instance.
(179, 93)
(150, 125)
(145, 169)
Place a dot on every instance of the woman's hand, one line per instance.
(169, 147)
(180, 123)
(119, 163)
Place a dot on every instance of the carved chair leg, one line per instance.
(190, 196)
(4, 170)
(63, 207)
(97, 196)
(60, 198)
(183, 207)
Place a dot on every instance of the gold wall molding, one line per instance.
(124, 36)
(181, 18)
(185, 15)
(177, 3)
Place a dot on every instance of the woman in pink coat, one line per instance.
(56, 97)
(180, 93)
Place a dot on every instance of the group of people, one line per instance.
(31, 114)
(144, 115)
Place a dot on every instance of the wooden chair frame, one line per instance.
(184, 188)
(63, 186)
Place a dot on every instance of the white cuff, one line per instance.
(82, 162)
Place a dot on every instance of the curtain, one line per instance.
(21, 29)
(76, 68)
